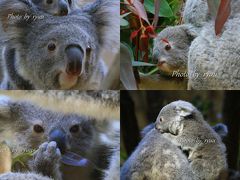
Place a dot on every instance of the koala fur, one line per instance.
(25, 126)
(23, 176)
(219, 128)
(213, 61)
(67, 57)
(196, 12)
(171, 48)
(55, 7)
(182, 124)
(156, 158)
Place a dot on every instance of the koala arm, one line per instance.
(46, 161)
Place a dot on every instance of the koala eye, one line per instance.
(70, 2)
(51, 46)
(160, 119)
(167, 47)
(49, 1)
(74, 129)
(38, 128)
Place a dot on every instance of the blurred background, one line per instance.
(140, 108)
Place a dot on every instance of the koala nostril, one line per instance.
(74, 56)
(59, 137)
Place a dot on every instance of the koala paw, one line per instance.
(46, 160)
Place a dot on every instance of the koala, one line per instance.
(213, 61)
(183, 125)
(67, 57)
(156, 158)
(171, 48)
(219, 128)
(63, 142)
(55, 7)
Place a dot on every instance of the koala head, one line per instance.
(54, 7)
(172, 115)
(171, 48)
(55, 52)
(31, 125)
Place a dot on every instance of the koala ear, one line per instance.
(13, 15)
(105, 16)
(221, 129)
(184, 109)
(5, 106)
(191, 31)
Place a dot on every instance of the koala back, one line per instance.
(156, 158)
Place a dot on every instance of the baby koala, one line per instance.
(171, 46)
(182, 124)
(54, 7)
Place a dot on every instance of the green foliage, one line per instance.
(138, 32)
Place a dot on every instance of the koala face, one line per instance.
(171, 116)
(55, 52)
(54, 7)
(63, 58)
(32, 126)
(171, 49)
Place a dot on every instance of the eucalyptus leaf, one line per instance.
(165, 9)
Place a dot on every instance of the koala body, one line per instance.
(182, 124)
(215, 59)
(56, 137)
(171, 47)
(42, 56)
(212, 59)
(156, 158)
(196, 12)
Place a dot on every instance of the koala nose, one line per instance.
(63, 9)
(59, 137)
(157, 126)
(74, 56)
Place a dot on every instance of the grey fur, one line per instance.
(156, 158)
(88, 29)
(212, 60)
(23, 176)
(174, 59)
(19, 119)
(196, 12)
(183, 125)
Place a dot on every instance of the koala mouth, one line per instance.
(67, 81)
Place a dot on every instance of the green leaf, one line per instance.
(124, 23)
(165, 9)
(139, 63)
(151, 72)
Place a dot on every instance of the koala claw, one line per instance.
(48, 151)
(46, 160)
